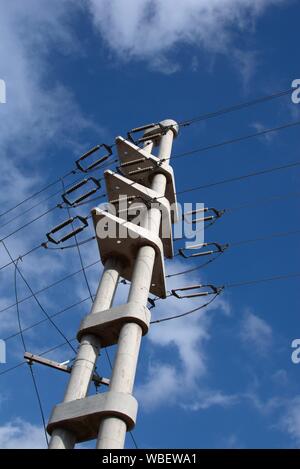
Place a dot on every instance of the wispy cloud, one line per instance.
(150, 29)
(20, 434)
(290, 422)
(256, 332)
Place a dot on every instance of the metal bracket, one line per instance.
(213, 291)
(31, 358)
(83, 196)
(97, 162)
(216, 214)
(69, 235)
(219, 249)
(151, 301)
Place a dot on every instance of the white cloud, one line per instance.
(290, 422)
(256, 332)
(166, 379)
(186, 339)
(213, 398)
(19, 434)
(147, 29)
(285, 411)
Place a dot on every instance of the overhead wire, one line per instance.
(25, 349)
(56, 282)
(232, 285)
(235, 107)
(233, 244)
(239, 178)
(36, 299)
(233, 140)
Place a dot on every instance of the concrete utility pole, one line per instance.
(140, 259)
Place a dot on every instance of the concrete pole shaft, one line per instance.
(84, 364)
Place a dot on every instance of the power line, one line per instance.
(234, 108)
(193, 269)
(234, 140)
(233, 285)
(30, 222)
(69, 246)
(187, 313)
(50, 286)
(265, 238)
(263, 200)
(41, 202)
(53, 183)
(233, 244)
(262, 280)
(35, 194)
(25, 349)
(32, 326)
(240, 178)
(37, 300)
(20, 257)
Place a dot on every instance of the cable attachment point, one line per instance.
(139, 129)
(214, 215)
(151, 302)
(77, 186)
(96, 163)
(219, 248)
(213, 291)
(158, 130)
(74, 232)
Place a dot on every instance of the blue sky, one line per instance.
(81, 73)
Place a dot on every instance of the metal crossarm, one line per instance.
(97, 162)
(31, 358)
(219, 248)
(69, 235)
(212, 291)
(77, 186)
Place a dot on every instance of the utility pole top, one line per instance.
(156, 132)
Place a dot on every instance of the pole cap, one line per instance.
(154, 133)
